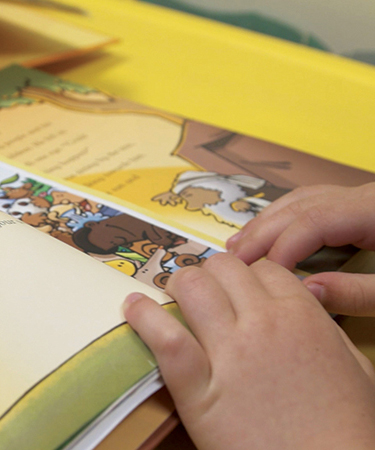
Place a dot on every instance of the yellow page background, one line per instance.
(48, 312)
(127, 154)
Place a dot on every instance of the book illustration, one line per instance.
(231, 199)
(248, 199)
(133, 246)
(67, 353)
(147, 157)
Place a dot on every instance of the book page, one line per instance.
(103, 231)
(199, 176)
(32, 38)
(59, 341)
(55, 303)
(112, 233)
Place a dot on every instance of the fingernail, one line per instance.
(316, 289)
(233, 239)
(131, 298)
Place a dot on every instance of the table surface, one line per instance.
(236, 79)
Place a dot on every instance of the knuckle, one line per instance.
(266, 266)
(171, 343)
(314, 190)
(217, 260)
(263, 265)
(223, 265)
(302, 191)
(315, 217)
(295, 208)
(184, 279)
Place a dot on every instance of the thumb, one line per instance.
(344, 293)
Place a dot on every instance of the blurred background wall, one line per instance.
(345, 27)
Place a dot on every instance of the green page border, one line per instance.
(72, 396)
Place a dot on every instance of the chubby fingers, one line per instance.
(296, 195)
(216, 294)
(344, 293)
(265, 218)
(213, 299)
(186, 358)
(182, 361)
(303, 224)
(227, 305)
(261, 234)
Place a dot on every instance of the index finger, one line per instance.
(297, 228)
(332, 225)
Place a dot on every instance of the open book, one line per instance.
(203, 179)
(65, 354)
(140, 194)
(71, 369)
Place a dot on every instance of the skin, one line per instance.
(261, 370)
(301, 222)
(265, 366)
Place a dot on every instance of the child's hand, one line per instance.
(300, 223)
(266, 368)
